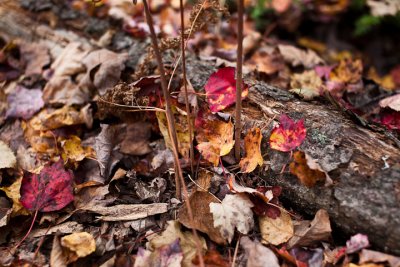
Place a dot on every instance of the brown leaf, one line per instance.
(276, 231)
(367, 255)
(257, 255)
(307, 84)
(202, 217)
(57, 257)
(307, 176)
(136, 139)
(298, 57)
(36, 57)
(308, 233)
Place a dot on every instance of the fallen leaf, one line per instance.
(257, 255)
(252, 146)
(35, 55)
(215, 138)
(348, 71)
(151, 191)
(237, 188)
(5, 211)
(57, 258)
(63, 228)
(136, 139)
(265, 61)
(74, 151)
(307, 176)
(127, 212)
(383, 8)
(276, 231)
(192, 96)
(233, 212)
(181, 127)
(392, 102)
(221, 89)
(13, 192)
(171, 234)
(288, 135)
(307, 84)
(168, 255)
(78, 245)
(202, 217)
(356, 243)
(24, 103)
(367, 255)
(50, 190)
(7, 159)
(308, 233)
(297, 57)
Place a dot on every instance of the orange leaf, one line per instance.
(252, 143)
(288, 135)
(306, 175)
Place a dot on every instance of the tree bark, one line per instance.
(363, 163)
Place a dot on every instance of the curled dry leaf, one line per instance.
(276, 231)
(348, 71)
(307, 84)
(221, 89)
(307, 176)
(170, 235)
(74, 151)
(298, 57)
(234, 212)
(288, 135)
(370, 256)
(202, 217)
(50, 190)
(257, 255)
(78, 245)
(308, 233)
(7, 159)
(215, 138)
(252, 146)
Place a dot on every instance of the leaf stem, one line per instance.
(29, 231)
(239, 81)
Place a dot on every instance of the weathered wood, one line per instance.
(365, 196)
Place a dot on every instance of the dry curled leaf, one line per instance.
(298, 57)
(307, 84)
(74, 151)
(307, 176)
(258, 255)
(276, 231)
(233, 213)
(252, 146)
(78, 245)
(288, 135)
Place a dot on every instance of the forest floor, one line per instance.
(87, 168)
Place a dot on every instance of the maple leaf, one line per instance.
(252, 143)
(233, 212)
(221, 89)
(288, 135)
(50, 190)
(215, 137)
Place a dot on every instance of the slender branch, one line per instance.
(170, 116)
(239, 82)
(188, 111)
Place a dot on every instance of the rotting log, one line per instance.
(363, 164)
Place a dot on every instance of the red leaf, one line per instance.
(288, 135)
(221, 89)
(50, 190)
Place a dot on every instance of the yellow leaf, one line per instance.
(73, 150)
(307, 84)
(276, 231)
(252, 144)
(78, 245)
(13, 193)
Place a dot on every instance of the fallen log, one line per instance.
(363, 164)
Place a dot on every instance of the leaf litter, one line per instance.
(98, 178)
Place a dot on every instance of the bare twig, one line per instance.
(239, 83)
(188, 111)
(170, 116)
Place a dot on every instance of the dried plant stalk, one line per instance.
(239, 83)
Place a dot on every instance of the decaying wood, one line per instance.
(363, 164)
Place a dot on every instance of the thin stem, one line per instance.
(239, 83)
(236, 251)
(188, 111)
(170, 116)
(29, 231)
